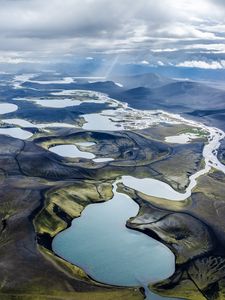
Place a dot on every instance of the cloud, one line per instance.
(144, 62)
(213, 48)
(160, 63)
(165, 50)
(203, 64)
(46, 30)
(218, 2)
(14, 60)
(198, 48)
(179, 30)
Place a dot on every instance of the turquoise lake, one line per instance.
(100, 243)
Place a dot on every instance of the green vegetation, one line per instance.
(70, 200)
(44, 192)
(196, 131)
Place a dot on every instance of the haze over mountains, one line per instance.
(153, 91)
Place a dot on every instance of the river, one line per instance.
(99, 241)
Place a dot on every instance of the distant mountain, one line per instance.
(101, 86)
(183, 94)
(156, 92)
(197, 100)
(171, 72)
(148, 80)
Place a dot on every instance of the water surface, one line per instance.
(100, 122)
(6, 108)
(16, 133)
(26, 124)
(100, 243)
(71, 151)
(154, 187)
(103, 159)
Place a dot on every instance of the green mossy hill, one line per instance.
(66, 203)
(28, 270)
(109, 294)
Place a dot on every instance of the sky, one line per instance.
(181, 33)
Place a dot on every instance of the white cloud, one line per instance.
(160, 63)
(144, 62)
(217, 48)
(210, 47)
(202, 64)
(179, 30)
(165, 50)
(16, 58)
(13, 60)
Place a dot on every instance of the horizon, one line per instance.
(150, 36)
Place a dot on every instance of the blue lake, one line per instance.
(100, 243)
